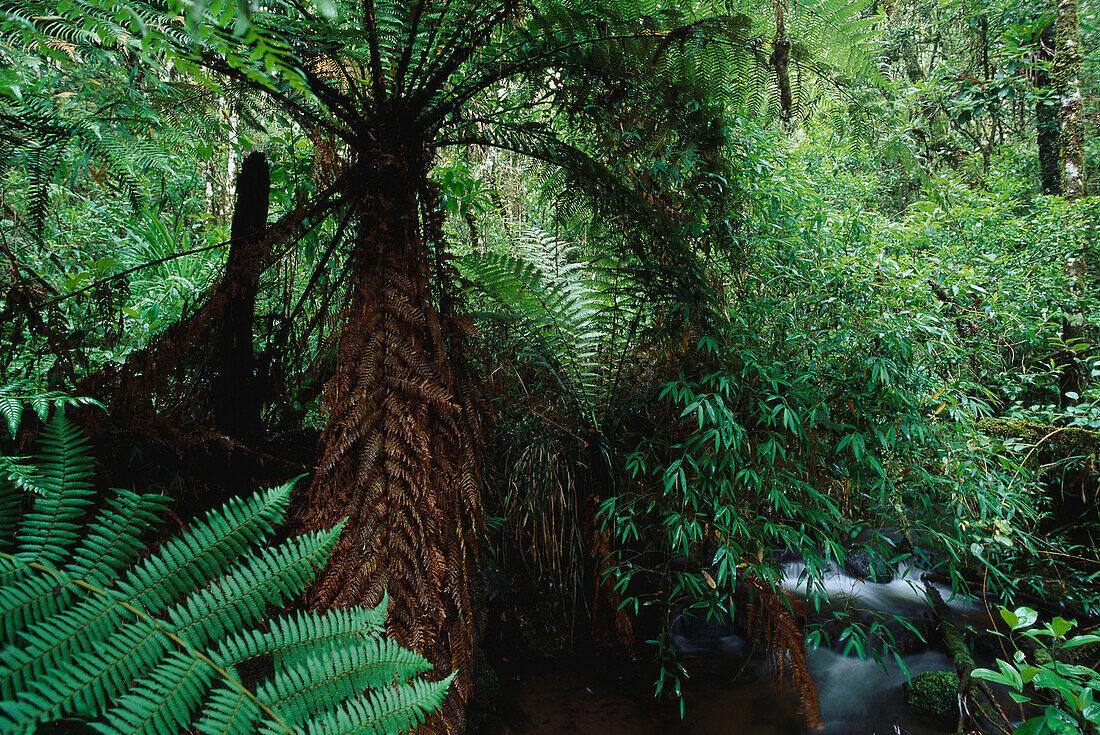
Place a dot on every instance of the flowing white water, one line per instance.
(857, 696)
(904, 595)
(861, 696)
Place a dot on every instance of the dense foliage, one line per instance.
(592, 312)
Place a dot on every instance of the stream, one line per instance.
(730, 692)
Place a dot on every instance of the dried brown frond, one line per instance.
(771, 618)
(402, 447)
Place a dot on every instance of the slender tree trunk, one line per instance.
(401, 448)
(1066, 68)
(1046, 119)
(1067, 65)
(234, 394)
(780, 59)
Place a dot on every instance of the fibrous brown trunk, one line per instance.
(401, 447)
(234, 395)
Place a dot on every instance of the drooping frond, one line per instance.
(670, 268)
(559, 308)
(771, 618)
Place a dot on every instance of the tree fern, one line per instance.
(566, 311)
(641, 123)
(91, 629)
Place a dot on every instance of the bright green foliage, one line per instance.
(883, 290)
(96, 627)
(844, 396)
(563, 309)
(1068, 690)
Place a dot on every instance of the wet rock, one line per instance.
(707, 645)
(733, 647)
(934, 693)
(693, 631)
(833, 628)
(870, 565)
(908, 641)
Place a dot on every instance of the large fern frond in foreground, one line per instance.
(94, 627)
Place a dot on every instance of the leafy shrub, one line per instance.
(1067, 691)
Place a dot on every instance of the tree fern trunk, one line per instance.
(400, 450)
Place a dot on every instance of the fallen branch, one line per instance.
(970, 689)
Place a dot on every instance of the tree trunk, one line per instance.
(1067, 65)
(780, 59)
(234, 394)
(401, 449)
(1046, 119)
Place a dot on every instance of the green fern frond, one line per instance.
(64, 483)
(165, 701)
(152, 646)
(318, 683)
(294, 638)
(34, 599)
(241, 597)
(399, 709)
(229, 711)
(18, 397)
(11, 502)
(47, 644)
(190, 560)
(88, 682)
(113, 540)
(341, 662)
(563, 310)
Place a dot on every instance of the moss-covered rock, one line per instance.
(1076, 439)
(934, 692)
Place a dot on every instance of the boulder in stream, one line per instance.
(870, 565)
